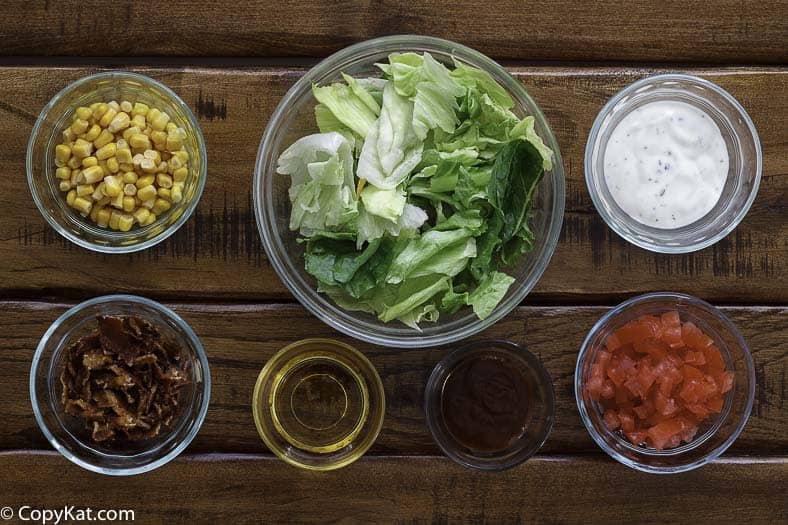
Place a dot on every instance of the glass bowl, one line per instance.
(294, 118)
(67, 433)
(717, 432)
(744, 154)
(318, 404)
(51, 202)
(538, 418)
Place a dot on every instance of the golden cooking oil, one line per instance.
(318, 402)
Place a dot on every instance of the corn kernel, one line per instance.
(81, 149)
(102, 217)
(165, 194)
(79, 126)
(84, 113)
(99, 110)
(71, 197)
(88, 162)
(174, 143)
(83, 205)
(137, 159)
(114, 105)
(75, 177)
(164, 180)
(139, 121)
(180, 174)
(163, 167)
(62, 154)
(126, 106)
(125, 222)
(177, 192)
(85, 189)
(107, 117)
(139, 109)
(119, 123)
(146, 193)
(174, 163)
(94, 213)
(130, 189)
(141, 215)
(93, 133)
(139, 141)
(160, 206)
(129, 203)
(121, 144)
(160, 121)
(183, 155)
(148, 165)
(99, 193)
(117, 202)
(74, 163)
(112, 186)
(159, 139)
(130, 177)
(113, 166)
(63, 172)
(153, 113)
(126, 166)
(114, 219)
(106, 151)
(68, 135)
(123, 155)
(148, 203)
(91, 175)
(145, 180)
(104, 138)
(131, 130)
(65, 185)
(151, 219)
(103, 201)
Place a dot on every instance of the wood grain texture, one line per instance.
(217, 253)
(239, 339)
(673, 30)
(254, 489)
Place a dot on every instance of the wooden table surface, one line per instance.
(232, 64)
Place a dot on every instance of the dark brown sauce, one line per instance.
(486, 402)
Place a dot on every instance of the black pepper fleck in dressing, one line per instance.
(486, 403)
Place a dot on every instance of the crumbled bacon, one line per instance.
(123, 380)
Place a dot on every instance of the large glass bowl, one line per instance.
(716, 433)
(741, 141)
(294, 118)
(68, 434)
(46, 134)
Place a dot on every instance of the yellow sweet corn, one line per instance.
(112, 186)
(117, 202)
(99, 193)
(106, 151)
(125, 222)
(130, 177)
(148, 165)
(107, 117)
(81, 149)
(104, 138)
(164, 180)
(126, 106)
(102, 217)
(68, 136)
(149, 203)
(129, 203)
(99, 110)
(165, 194)
(114, 219)
(89, 162)
(130, 189)
(65, 185)
(159, 139)
(160, 206)
(85, 189)
(139, 109)
(83, 205)
(180, 174)
(139, 121)
(146, 193)
(84, 113)
(139, 141)
(91, 175)
(120, 122)
(145, 180)
(64, 172)
(113, 166)
(71, 197)
(159, 122)
(141, 215)
(79, 126)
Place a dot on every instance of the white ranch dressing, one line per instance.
(665, 164)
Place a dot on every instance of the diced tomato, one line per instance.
(627, 421)
(636, 437)
(611, 420)
(694, 337)
(661, 433)
(657, 379)
(714, 360)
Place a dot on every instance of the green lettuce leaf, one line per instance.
(386, 204)
(347, 107)
(322, 190)
(490, 291)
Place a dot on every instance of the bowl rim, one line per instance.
(439, 374)
(276, 360)
(593, 138)
(201, 355)
(342, 320)
(166, 232)
(643, 299)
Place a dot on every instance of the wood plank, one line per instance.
(239, 339)
(251, 489)
(726, 31)
(217, 254)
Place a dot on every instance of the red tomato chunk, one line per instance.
(657, 379)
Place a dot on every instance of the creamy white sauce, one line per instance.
(666, 164)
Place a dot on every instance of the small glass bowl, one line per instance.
(715, 434)
(540, 415)
(318, 404)
(51, 202)
(294, 118)
(68, 434)
(744, 153)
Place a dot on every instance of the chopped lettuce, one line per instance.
(445, 173)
